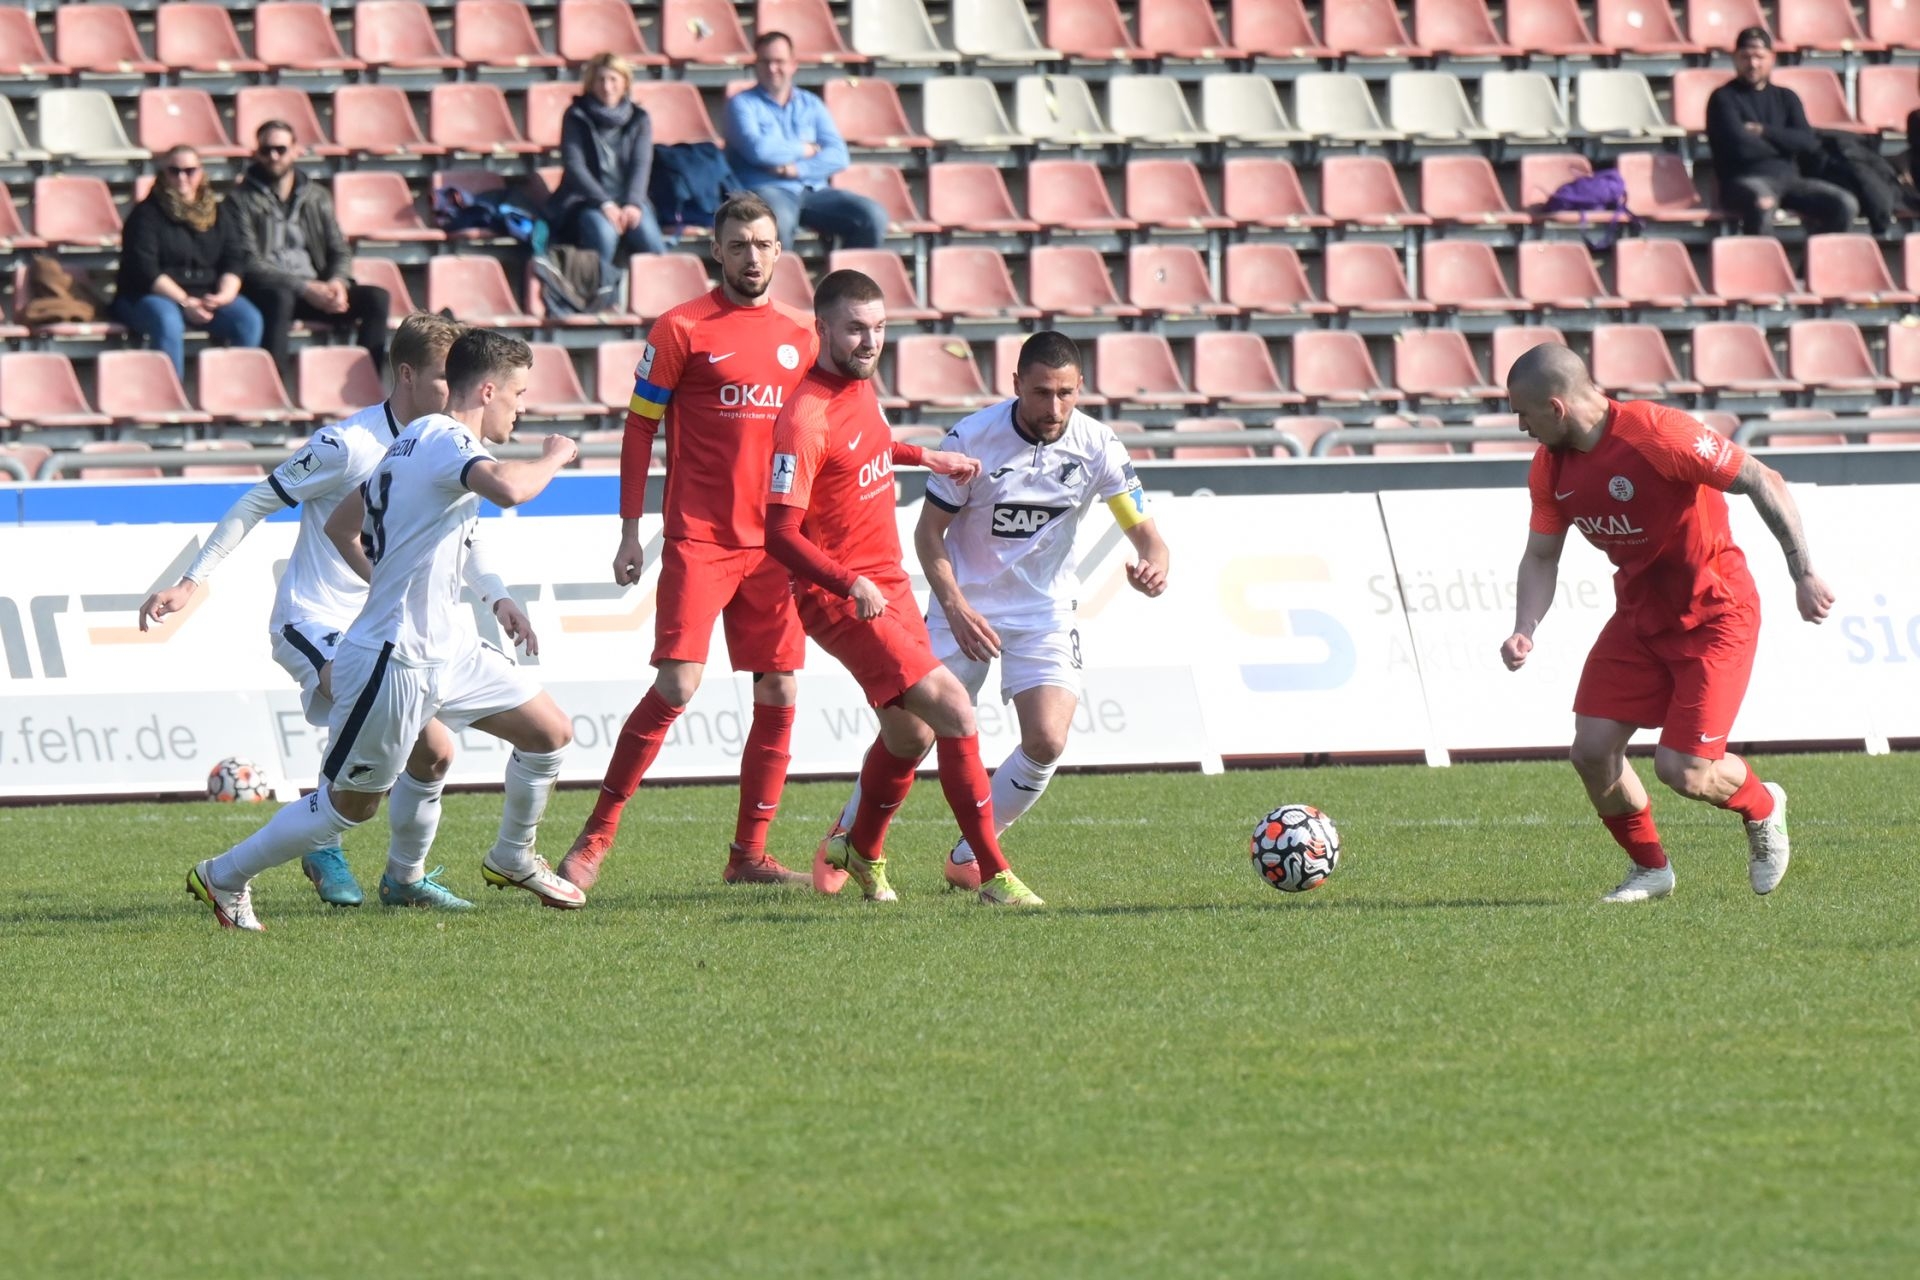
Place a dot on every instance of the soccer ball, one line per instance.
(238, 780)
(1295, 848)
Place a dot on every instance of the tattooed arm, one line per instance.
(1776, 506)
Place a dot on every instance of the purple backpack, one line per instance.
(1603, 191)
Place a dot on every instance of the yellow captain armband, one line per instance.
(1129, 508)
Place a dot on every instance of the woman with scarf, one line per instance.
(181, 263)
(606, 143)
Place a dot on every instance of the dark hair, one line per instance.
(1049, 348)
(765, 38)
(480, 354)
(742, 206)
(1753, 35)
(273, 126)
(850, 287)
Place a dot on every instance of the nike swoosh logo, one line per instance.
(1715, 738)
(1562, 497)
(855, 442)
(714, 359)
(981, 804)
(758, 805)
(895, 805)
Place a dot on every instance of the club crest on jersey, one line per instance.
(788, 355)
(1066, 472)
(1621, 489)
(735, 395)
(1023, 519)
(783, 473)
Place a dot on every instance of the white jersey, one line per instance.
(1011, 540)
(421, 519)
(317, 585)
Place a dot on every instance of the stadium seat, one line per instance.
(398, 34)
(1619, 106)
(140, 388)
(1552, 27)
(1733, 357)
(242, 385)
(1522, 105)
(1461, 29)
(1659, 188)
(1887, 94)
(1432, 106)
(1712, 24)
(615, 435)
(14, 144)
(254, 105)
(1332, 365)
(553, 388)
(1654, 271)
(1827, 25)
(184, 117)
(1267, 279)
(1851, 269)
(1139, 368)
(200, 37)
(1170, 193)
(791, 283)
(474, 118)
(1172, 280)
(1437, 364)
(337, 381)
(1265, 191)
(973, 283)
(1365, 190)
(1643, 27)
(1072, 195)
(29, 456)
(1903, 353)
(1184, 29)
(1412, 445)
(966, 111)
(41, 388)
(300, 37)
(868, 113)
(100, 38)
(614, 366)
(886, 186)
(1559, 274)
(1894, 23)
(76, 211)
(897, 31)
(1822, 96)
(1692, 86)
(1364, 275)
(1910, 273)
(1464, 275)
(1368, 29)
(938, 369)
(219, 470)
(1632, 361)
(1092, 30)
(1338, 106)
(1131, 433)
(384, 273)
(1153, 110)
(1059, 110)
(678, 113)
(1465, 190)
(1754, 270)
(962, 196)
(475, 289)
(1307, 429)
(546, 107)
(1211, 452)
(1798, 439)
(115, 473)
(662, 282)
(589, 27)
(1072, 280)
(810, 26)
(372, 205)
(1542, 174)
(83, 124)
(1512, 341)
(22, 52)
(498, 33)
(998, 31)
(889, 271)
(1245, 108)
(376, 119)
(1831, 355)
(1237, 369)
(1275, 29)
(704, 32)
(13, 232)
(1873, 437)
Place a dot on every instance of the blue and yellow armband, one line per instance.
(1129, 508)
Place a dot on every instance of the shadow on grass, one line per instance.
(773, 915)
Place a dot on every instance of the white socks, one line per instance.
(413, 813)
(1017, 784)
(530, 778)
(309, 823)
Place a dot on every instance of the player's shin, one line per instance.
(530, 778)
(763, 775)
(309, 823)
(1751, 799)
(633, 754)
(964, 780)
(885, 780)
(1017, 786)
(413, 816)
(1636, 833)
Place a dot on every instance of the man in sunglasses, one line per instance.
(297, 258)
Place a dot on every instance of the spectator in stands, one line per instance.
(1758, 132)
(181, 260)
(606, 145)
(782, 142)
(297, 258)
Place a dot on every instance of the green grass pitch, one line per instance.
(1449, 1061)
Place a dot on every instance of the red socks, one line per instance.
(969, 795)
(633, 755)
(1636, 834)
(1751, 800)
(763, 775)
(885, 780)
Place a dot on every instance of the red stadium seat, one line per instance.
(498, 33)
(889, 271)
(962, 196)
(868, 113)
(475, 289)
(1210, 452)
(184, 117)
(791, 283)
(475, 118)
(470, 183)
(589, 27)
(1091, 29)
(101, 38)
(1657, 272)
(1365, 190)
(1823, 24)
(1822, 96)
(1632, 361)
(141, 389)
(1276, 29)
(1802, 440)
(300, 37)
(973, 282)
(200, 37)
(660, 282)
(1887, 94)
(254, 105)
(116, 473)
(1169, 193)
(1895, 23)
(1332, 365)
(13, 232)
(242, 384)
(1731, 357)
(706, 32)
(678, 113)
(338, 381)
(218, 470)
(1712, 24)
(22, 52)
(886, 186)
(384, 273)
(1831, 355)
(547, 104)
(1265, 191)
(1072, 280)
(1465, 190)
(1237, 369)
(614, 366)
(398, 34)
(75, 211)
(376, 119)
(1543, 174)
(553, 388)
(1692, 86)
(1659, 189)
(938, 369)
(1644, 26)
(1462, 28)
(1367, 29)
(1553, 27)
(1560, 274)
(1140, 368)
(810, 25)
(1072, 195)
(1903, 354)
(1754, 269)
(1172, 280)
(1411, 445)
(1183, 29)
(1267, 279)
(1510, 342)
(1850, 268)
(1464, 275)
(41, 388)
(372, 205)
(1437, 364)
(1307, 429)
(1367, 276)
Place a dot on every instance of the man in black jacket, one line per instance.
(1758, 132)
(297, 258)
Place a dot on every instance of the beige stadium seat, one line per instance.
(1245, 108)
(1153, 109)
(13, 139)
(1058, 109)
(1432, 105)
(83, 124)
(1337, 106)
(897, 31)
(966, 110)
(1619, 104)
(1521, 104)
(998, 31)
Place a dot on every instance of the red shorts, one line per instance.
(1688, 684)
(887, 655)
(702, 581)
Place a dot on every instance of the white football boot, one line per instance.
(1643, 884)
(1767, 851)
(537, 878)
(232, 910)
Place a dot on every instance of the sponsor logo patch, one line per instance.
(783, 465)
(1023, 519)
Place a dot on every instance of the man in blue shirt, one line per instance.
(781, 141)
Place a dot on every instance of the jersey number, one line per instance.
(373, 535)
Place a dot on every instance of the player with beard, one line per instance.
(716, 371)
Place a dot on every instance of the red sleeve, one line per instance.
(799, 441)
(794, 550)
(1547, 516)
(654, 379)
(908, 455)
(1680, 447)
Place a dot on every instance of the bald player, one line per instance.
(1644, 483)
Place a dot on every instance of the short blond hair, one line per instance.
(422, 337)
(605, 62)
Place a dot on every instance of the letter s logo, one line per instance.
(1244, 580)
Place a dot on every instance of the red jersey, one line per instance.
(1649, 496)
(833, 457)
(719, 374)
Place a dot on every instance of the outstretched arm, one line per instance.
(1774, 502)
(1539, 572)
(1148, 574)
(255, 505)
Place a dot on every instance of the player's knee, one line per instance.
(553, 735)
(1594, 760)
(355, 806)
(776, 688)
(1685, 775)
(676, 684)
(1044, 746)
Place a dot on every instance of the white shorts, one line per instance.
(302, 648)
(1029, 658)
(383, 706)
